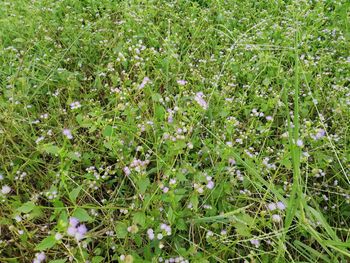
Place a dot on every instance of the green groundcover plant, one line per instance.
(174, 131)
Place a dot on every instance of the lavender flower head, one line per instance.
(67, 133)
(200, 100)
(75, 229)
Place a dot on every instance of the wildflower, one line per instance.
(67, 133)
(159, 236)
(73, 221)
(276, 218)
(129, 259)
(127, 171)
(272, 206)
(223, 232)
(71, 231)
(150, 233)
(172, 181)
(5, 190)
(58, 236)
(255, 242)
(39, 257)
(75, 105)
(210, 185)
(269, 118)
(199, 99)
(133, 229)
(300, 143)
(280, 205)
(231, 161)
(209, 234)
(39, 139)
(144, 82)
(76, 230)
(165, 190)
(181, 82)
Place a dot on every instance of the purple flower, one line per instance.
(280, 205)
(271, 206)
(144, 82)
(255, 242)
(76, 230)
(71, 231)
(73, 221)
(126, 171)
(200, 100)
(210, 185)
(82, 229)
(181, 82)
(67, 133)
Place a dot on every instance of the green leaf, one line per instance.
(53, 149)
(82, 215)
(121, 230)
(143, 183)
(108, 131)
(46, 243)
(26, 207)
(74, 194)
(58, 261)
(139, 218)
(97, 259)
(73, 156)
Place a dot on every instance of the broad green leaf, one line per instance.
(82, 215)
(46, 243)
(143, 183)
(58, 261)
(97, 259)
(139, 218)
(121, 230)
(26, 207)
(108, 131)
(53, 149)
(74, 194)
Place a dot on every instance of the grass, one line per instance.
(174, 131)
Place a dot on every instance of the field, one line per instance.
(174, 131)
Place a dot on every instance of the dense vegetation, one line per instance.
(174, 131)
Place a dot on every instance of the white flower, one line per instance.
(5, 190)
(255, 242)
(276, 218)
(58, 236)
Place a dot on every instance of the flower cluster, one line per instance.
(199, 98)
(39, 257)
(75, 229)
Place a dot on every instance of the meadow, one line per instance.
(174, 131)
